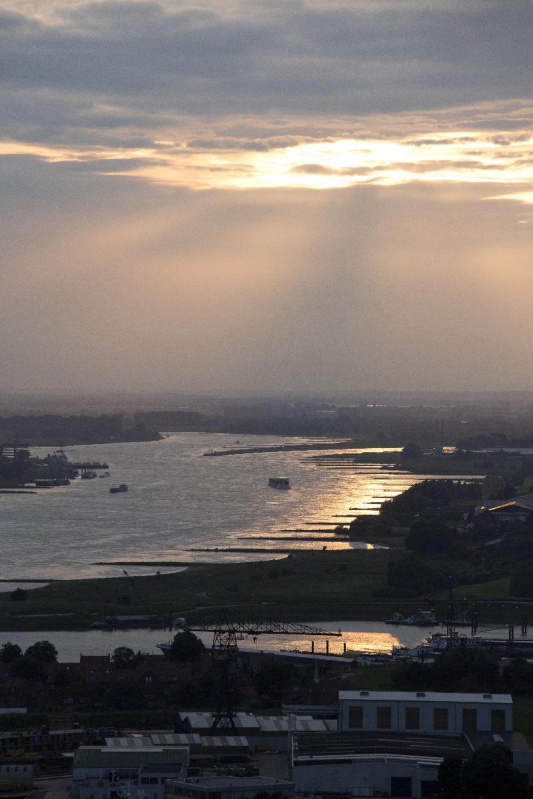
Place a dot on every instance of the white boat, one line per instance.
(279, 482)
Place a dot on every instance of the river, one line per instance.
(179, 500)
(363, 636)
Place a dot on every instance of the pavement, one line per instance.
(272, 764)
(52, 787)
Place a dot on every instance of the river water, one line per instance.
(361, 636)
(178, 500)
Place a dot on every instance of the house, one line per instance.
(502, 511)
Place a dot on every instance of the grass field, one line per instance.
(317, 585)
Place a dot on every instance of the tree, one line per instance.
(430, 538)
(489, 774)
(464, 669)
(186, 646)
(124, 657)
(18, 595)
(28, 667)
(121, 697)
(411, 574)
(10, 652)
(449, 777)
(43, 651)
(274, 681)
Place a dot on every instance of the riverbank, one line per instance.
(304, 586)
(307, 447)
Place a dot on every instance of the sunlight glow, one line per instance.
(473, 157)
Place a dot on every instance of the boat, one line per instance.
(88, 474)
(279, 482)
(422, 618)
(105, 474)
(120, 489)
(88, 464)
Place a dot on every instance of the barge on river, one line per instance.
(279, 482)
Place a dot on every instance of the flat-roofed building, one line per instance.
(191, 740)
(139, 773)
(228, 748)
(424, 712)
(202, 723)
(227, 788)
(391, 743)
(16, 778)
(371, 764)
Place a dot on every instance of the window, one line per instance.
(440, 718)
(383, 718)
(469, 719)
(401, 786)
(355, 716)
(412, 718)
(497, 720)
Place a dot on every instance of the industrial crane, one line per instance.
(228, 627)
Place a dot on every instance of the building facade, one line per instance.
(424, 712)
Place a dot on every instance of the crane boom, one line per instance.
(228, 626)
(225, 621)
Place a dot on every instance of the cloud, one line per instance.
(156, 166)
(291, 57)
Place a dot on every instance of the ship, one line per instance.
(279, 482)
(120, 489)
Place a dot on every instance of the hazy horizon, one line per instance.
(271, 197)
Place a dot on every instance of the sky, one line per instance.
(266, 195)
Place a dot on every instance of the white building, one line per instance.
(391, 743)
(425, 712)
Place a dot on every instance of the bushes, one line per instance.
(428, 494)
(433, 538)
(412, 575)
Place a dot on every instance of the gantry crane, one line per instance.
(228, 627)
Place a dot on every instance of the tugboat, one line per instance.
(120, 489)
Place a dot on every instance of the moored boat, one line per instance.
(88, 474)
(422, 618)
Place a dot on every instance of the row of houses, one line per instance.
(86, 682)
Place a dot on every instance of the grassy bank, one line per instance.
(312, 585)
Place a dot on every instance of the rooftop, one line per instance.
(232, 782)
(424, 696)
(348, 744)
(135, 758)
